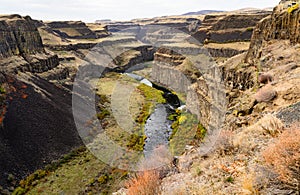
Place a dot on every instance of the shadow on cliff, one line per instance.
(37, 129)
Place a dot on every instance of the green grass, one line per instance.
(187, 130)
(79, 172)
(136, 142)
(76, 173)
(152, 94)
(2, 90)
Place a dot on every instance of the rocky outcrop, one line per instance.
(224, 52)
(168, 56)
(189, 70)
(38, 126)
(228, 28)
(280, 25)
(121, 26)
(18, 36)
(72, 29)
(100, 30)
(133, 57)
(180, 23)
(21, 46)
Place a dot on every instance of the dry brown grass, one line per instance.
(147, 182)
(250, 138)
(144, 183)
(284, 156)
(265, 94)
(224, 144)
(248, 184)
(270, 124)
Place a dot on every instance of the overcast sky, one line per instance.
(91, 10)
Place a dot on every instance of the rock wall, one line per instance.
(166, 75)
(38, 125)
(198, 80)
(21, 46)
(121, 26)
(224, 52)
(18, 36)
(72, 29)
(168, 56)
(228, 28)
(280, 25)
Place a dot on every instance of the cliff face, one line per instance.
(38, 125)
(281, 25)
(70, 29)
(227, 28)
(21, 46)
(187, 24)
(178, 67)
(18, 36)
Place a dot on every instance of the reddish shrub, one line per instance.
(284, 155)
(145, 183)
(24, 96)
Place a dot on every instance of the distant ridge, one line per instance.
(202, 12)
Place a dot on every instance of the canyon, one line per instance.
(211, 62)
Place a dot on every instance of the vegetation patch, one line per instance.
(186, 130)
(283, 156)
(38, 176)
(136, 142)
(152, 94)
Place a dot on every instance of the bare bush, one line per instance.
(265, 94)
(154, 166)
(284, 156)
(224, 144)
(144, 183)
(271, 124)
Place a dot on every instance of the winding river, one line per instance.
(158, 126)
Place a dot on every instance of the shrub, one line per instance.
(2, 90)
(136, 142)
(271, 124)
(224, 144)
(250, 29)
(19, 191)
(144, 183)
(229, 179)
(200, 132)
(103, 179)
(101, 115)
(249, 184)
(284, 156)
(265, 94)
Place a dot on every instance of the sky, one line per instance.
(91, 10)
